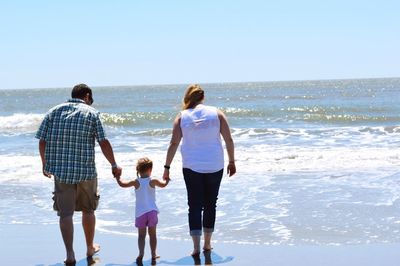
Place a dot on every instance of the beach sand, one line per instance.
(42, 245)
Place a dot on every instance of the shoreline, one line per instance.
(42, 245)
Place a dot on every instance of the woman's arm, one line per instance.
(173, 145)
(230, 147)
(127, 183)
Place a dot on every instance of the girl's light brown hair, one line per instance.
(194, 95)
(143, 165)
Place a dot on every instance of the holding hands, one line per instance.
(116, 171)
(144, 169)
(166, 175)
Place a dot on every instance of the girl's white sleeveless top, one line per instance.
(145, 197)
(201, 147)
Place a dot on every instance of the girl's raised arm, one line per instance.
(159, 183)
(128, 183)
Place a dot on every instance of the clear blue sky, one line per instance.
(61, 43)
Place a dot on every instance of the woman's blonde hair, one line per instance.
(143, 164)
(194, 95)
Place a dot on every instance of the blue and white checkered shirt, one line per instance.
(70, 130)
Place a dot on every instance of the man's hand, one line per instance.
(46, 174)
(231, 169)
(42, 149)
(116, 171)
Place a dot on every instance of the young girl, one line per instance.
(146, 208)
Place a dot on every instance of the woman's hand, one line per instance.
(231, 169)
(166, 174)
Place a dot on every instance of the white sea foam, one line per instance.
(20, 123)
(330, 195)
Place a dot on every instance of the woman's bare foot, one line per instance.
(92, 250)
(195, 253)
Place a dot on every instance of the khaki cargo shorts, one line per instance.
(75, 197)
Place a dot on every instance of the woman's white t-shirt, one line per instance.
(201, 147)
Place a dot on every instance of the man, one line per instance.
(66, 144)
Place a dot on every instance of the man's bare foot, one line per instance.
(70, 260)
(154, 260)
(93, 261)
(92, 250)
(139, 260)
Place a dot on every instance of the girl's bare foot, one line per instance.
(92, 250)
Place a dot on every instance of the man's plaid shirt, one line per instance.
(70, 130)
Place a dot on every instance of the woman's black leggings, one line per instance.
(202, 192)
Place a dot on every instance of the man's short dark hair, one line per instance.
(80, 91)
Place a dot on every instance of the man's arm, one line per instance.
(107, 150)
(41, 135)
(42, 148)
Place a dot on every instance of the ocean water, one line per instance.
(318, 161)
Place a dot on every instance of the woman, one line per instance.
(201, 127)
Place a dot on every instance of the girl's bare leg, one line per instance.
(141, 243)
(153, 244)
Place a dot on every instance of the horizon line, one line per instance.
(220, 82)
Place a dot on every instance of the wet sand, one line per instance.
(41, 245)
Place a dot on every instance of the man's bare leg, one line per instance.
(89, 224)
(67, 232)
